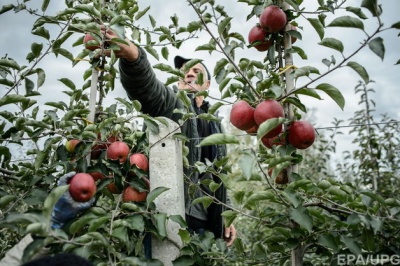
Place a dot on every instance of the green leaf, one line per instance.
(246, 164)
(41, 77)
(90, 9)
(152, 51)
(52, 199)
(351, 244)
(372, 6)
(12, 99)
(269, 125)
(160, 222)
(376, 45)
(300, 215)
(45, 4)
(333, 44)
(205, 200)
(292, 196)
(360, 70)
(142, 13)
(6, 8)
(42, 32)
(309, 92)
(319, 28)
(5, 200)
(33, 249)
(373, 196)
(9, 63)
(219, 139)
(223, 25)
(333, 92)
(229, 217)
(179, 220)
(328, 241)
(396, 25)
(155, 193)
(357, 11)
(348, 22)
(305, 71)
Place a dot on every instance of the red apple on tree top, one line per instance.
(301, 134)
(273, 19)
(257, 37)
(242, 115)
(118, 150)
(82, 187)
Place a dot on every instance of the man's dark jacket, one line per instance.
(141, 83)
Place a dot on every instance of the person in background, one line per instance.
(64, 211)
(140, 83)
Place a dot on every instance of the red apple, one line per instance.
(273, 19)
(252, 130)
(97, 175)
(118, 150)
(242, 115)
(99, 146)
(282, 178)
(140, 160)
(70, 145)
(82, 187)
(277, 140)
(268, 109)
(132, 194)
(301, 134)
(257, 37)
(88, 37)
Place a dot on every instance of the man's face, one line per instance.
(191, 82)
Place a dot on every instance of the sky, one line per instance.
(16, 40)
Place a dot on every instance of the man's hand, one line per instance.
(66, 207)
(230, 235)
(127, 50)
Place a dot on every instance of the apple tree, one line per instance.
(282, 212)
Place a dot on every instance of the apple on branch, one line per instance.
(258, 38)
(82, 187)
(273, 19)
(268, 109)
(70, 145)
(140, 160)
(132, 194)
(301, 134)
(118, 150)
(242, 115)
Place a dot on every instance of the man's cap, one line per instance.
(179, 61)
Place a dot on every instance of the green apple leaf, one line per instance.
(332, 43)
(357, 11)
(347, 22)
(360, 70)
(319, 28)
(219, 139)
(300, 215)
(333, 92)
(376, 45)
(372, 6)
(269, 125)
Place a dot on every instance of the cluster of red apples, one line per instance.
(300, 134)
(82, 186)
(272, 20)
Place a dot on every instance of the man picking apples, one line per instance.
(141, 83)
